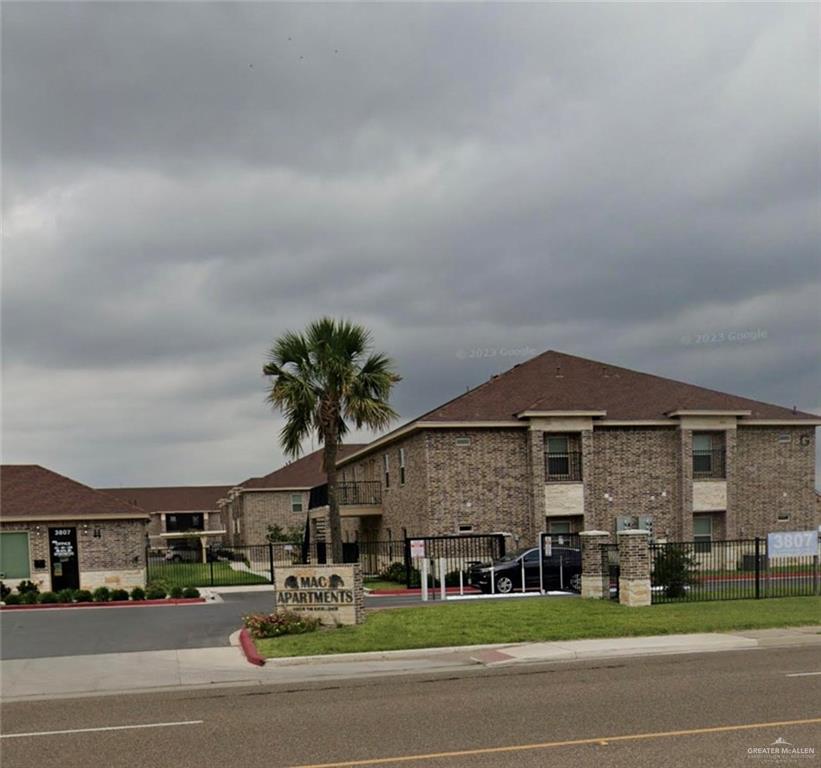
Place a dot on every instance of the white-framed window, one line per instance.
(702, 532)
(386, 464)
(462, 441)
(296, 502)
(401, 466)
(558, 526)
(14, 555)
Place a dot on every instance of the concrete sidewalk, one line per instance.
(202, 667)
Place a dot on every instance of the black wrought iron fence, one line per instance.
(610, 558)
(728, 570)
(195, 566)
(457, 554)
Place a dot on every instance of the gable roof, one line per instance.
(558, 382)
(32, 492)
(186, 498)
(555, 381)
(305, 472)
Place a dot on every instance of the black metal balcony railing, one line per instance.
(352, 492)
(709, 464)
(563, 466)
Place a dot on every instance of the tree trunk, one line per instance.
(334, 522)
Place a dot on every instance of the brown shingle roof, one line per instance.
(555, 381)
(187, 498)
(29, 491)
(302, 473)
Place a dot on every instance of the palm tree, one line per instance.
(323, 379)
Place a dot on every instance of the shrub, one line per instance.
(48, 597)
(190, 592)
(83, 596)
(12, 599)
(673, 569)
(101, 595)
(138, 593)
(262, 625)
(175, 592)
(162, 584)
(28, 598)
(65, 596)
(155, 592)
(397, 572)
(119, 594)
(4, 591)
(26, 586)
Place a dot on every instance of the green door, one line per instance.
(14, 556)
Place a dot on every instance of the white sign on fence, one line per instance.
(417, 548)
(548, 546)
(792, 544)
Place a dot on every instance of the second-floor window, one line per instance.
(401, 466)
(708, 455)
(563, 459)
(296, 502)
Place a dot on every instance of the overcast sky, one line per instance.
(476, 183)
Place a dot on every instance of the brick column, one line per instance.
(595, 569)
(535, 450)
(634, 567)
(684, 531)
(730, 519)
(589, 520)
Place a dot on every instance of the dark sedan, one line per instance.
(561, 570)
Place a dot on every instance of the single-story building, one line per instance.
(281, 498)
(562, 443)
(62, 534)
(177, 510)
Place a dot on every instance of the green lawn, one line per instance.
(199, 575)
(533, 620)
(380, 584)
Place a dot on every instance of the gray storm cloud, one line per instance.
(182, 182)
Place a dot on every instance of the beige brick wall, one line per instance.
(639, 469)
(259, 509)
(771, 477)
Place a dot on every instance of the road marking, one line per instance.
(569, 743)
(803, 674)
(97, 730)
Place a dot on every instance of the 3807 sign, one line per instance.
(792, 544)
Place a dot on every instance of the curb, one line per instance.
(108, 604)
(414, 592)
(249, 649)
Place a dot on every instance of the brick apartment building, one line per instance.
(280, 498)
(62, 534)
(563, 443)
(177, 510)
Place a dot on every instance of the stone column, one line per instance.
(536, 466)
(595, 568)
(634, 567)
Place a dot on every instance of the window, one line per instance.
(465, 528)
(702, 532)
(783, 517)
(708, 455)
(462, 441)
(558, 526)
(296, 502)
(401, 466)
(98, 534)
(387, 467)
(563, 460)
(14, 556)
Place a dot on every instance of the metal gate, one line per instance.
(459, 552)
(610, 557)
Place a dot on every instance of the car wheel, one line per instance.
(576, 582)
(504, 585)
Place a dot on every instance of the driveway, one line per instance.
(82, 631)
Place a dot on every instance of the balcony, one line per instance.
(563, 467)
(358, 493)
(709, 464)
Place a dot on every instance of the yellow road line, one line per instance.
(567, 743)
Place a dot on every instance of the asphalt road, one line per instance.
(697, 710)
(82, 631)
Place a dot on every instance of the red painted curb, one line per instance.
(249, 649)
(109, 604)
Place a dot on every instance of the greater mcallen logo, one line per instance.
(779, 750)
(315, 591)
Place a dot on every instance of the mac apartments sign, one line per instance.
(332, 592)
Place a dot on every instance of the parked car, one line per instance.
(183, 552)
(560, 570)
